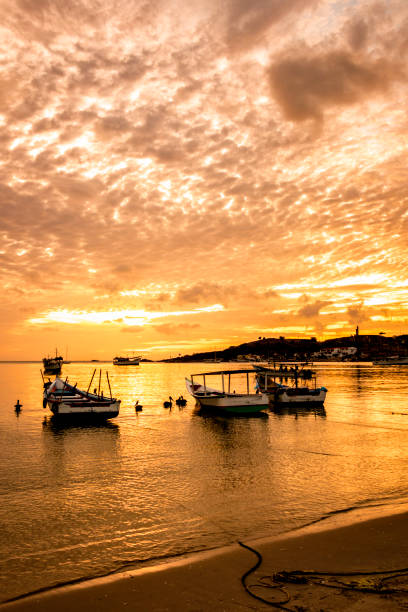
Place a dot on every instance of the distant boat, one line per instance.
(222, 400)
(68, 402)
(53, 365)
(126, 361)
(395, 360)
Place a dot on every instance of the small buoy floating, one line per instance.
(18, 406)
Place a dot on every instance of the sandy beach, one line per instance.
(212, 580)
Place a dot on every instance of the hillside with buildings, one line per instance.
(358, 347)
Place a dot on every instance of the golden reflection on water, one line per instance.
(82, 499)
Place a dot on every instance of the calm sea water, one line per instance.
(79, 501)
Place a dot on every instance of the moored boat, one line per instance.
(53, 365)
(300, 395)
(223, 400)
(126, 361)
(282, 394)
(66, 401)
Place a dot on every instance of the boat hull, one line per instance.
(52, 370)
(126, 361)
(134, 363)
(239, 404)
(86, 410)
(302, 397)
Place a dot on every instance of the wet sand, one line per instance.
(212, 580)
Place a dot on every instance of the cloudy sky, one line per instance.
(182, 176)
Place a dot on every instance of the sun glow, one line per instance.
(124, 317)
(362, 279)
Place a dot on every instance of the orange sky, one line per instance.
(178, 176)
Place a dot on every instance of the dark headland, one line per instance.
(357, 347)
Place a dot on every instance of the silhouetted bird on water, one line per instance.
(18, 406)
(138, 407)
(181, 401)
(168, 404)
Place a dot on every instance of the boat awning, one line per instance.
(222, 372)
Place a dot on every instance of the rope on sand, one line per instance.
(364, 582)
(248, 588)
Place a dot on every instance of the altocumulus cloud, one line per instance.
(156, 159)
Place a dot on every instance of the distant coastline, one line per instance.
(355, 348)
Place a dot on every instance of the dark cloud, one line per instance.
(168, 153)
(132, 68)
(312, 310)
(196, 294)
(351, 193)
(268, 293)
(306, 85)
(358, 34)
(112, 126)
(357, 314)
(211, 292)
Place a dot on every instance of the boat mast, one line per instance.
(89, 386)
(110, 390)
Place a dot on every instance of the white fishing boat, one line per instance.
(295, 394)
(126, 361)
(225, 400)
(66, 401)
(300, 395)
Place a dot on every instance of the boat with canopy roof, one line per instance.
(226, 399)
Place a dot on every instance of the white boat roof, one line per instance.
(292, 363)
(222, 372)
